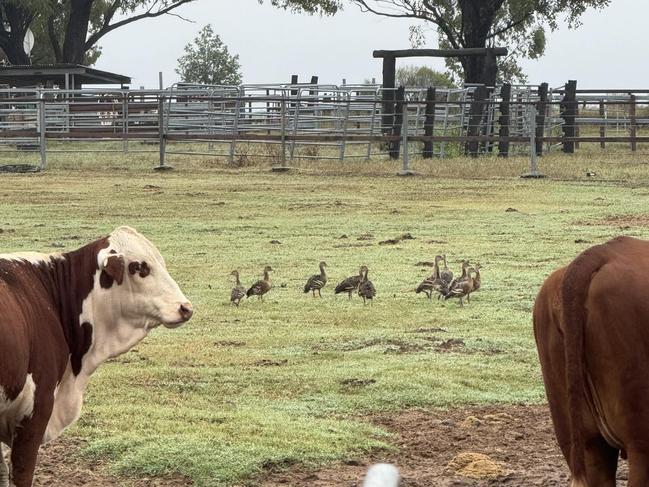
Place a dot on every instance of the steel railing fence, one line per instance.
(284, 122)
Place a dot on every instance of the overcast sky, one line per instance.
(608, 51)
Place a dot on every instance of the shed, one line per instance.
(65, 76)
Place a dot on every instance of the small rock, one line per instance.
(275, 242)
(509, 210)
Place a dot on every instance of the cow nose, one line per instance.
(186, 310)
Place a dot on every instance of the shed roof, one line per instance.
(32, 75)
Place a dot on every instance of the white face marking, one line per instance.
(13, 412)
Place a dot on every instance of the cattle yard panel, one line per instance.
(284, 122)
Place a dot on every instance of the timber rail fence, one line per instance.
(322, 121)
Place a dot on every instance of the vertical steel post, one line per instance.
(42, 130)
(343, 142)
(235, 127)
(534, 171)
(125, 121)
(283, 127)
(405, 171)
(162, 141)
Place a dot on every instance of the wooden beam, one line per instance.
(471, 51)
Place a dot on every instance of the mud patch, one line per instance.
(624, 222)
(510, 446)
(270, 363)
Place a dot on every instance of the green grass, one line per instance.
(203, 402)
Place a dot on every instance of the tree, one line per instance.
(207, 61)
(15, 18)
(68, 31)
(517, 24)
(422, 77)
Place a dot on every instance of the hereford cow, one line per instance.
(591, 323)
(61, 316)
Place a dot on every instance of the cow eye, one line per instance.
(133, 267)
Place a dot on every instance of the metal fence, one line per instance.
(284, 122)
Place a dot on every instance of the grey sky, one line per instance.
(608, 51)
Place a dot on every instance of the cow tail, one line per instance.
(574, 292)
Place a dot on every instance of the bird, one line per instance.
(317, 281)
(350, 284)
(262, 286)
(476, 281)
(462, 286)
(465, 265)
(446, 274)
(432, 282)
(238, 291)
(366, 289)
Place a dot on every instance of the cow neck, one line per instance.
(73, 274)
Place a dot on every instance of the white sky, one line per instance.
(608, 51)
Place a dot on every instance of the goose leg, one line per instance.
(350, 295)
(461, 303)
(319, 293)
(468, 298)
(313, 291)
(4, 470)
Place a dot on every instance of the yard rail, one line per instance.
(316, 121)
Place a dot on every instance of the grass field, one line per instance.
(239, 390)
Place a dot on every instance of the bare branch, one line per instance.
(149, 14)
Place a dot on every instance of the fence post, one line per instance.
(389, 75)
(398, 122)
(504, 120)
(568, 112)
(235, 125)
(475, 119)
(282, 112)
(633, 127)
(125, 121)
(345, 122)
(534, 171)
(429, 122)
(405, 170)
(602, 127)
(42, 131)
(540, 117)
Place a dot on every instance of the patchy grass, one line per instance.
(238, 391)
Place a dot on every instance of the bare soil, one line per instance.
(470, 447)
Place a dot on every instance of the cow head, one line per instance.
(135, 283)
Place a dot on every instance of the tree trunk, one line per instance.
(477, 19)
(12, 42)
(74, 45)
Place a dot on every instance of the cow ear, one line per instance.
(113, 267)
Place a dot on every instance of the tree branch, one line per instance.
(92, 40)
(510, 26)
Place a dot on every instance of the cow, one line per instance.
(61, 316)
(591, 325)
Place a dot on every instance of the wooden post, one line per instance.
(541, 107)
(504, 120)
(569, 115)
(398, 122)
(389, 80)
(634, 127)
(294, 81)
(602, 127)
(429, 122)
(475, 119)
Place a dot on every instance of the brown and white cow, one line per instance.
(591, 323)
(61, 316)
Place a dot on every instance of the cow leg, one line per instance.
(4, 470)
(638, 469)
(28, 439)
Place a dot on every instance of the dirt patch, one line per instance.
(270, 363)
(59, 466)
(624, 222)
(510, 446)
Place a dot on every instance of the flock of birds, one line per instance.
(440, 282)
